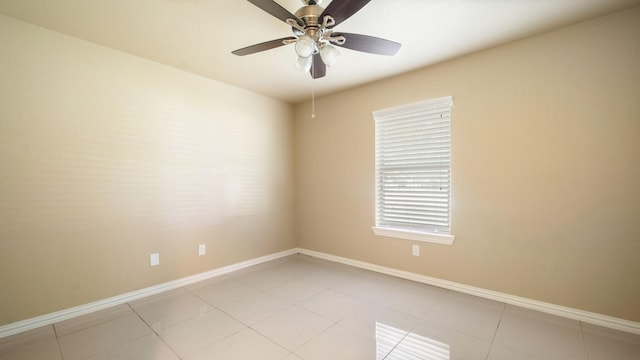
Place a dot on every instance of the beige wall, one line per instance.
(546, 168)
(106, 158)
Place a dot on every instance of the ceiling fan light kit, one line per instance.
(314, 38)
(304, 63)
(329, 54)
(305, 46)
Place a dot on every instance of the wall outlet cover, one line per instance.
(154, 259)
(415, 250)
(202, 249)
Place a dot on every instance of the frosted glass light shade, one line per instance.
(305, 46)
(304, 63)
(330, 55)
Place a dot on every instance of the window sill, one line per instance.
(436, 238)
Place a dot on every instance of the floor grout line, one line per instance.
(396, 345)
(584, 341)
(495, 332)
(153, 331)
(55, 333)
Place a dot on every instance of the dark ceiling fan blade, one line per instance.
(369, 44)
(318, 68)
(341, 10)
(267, 45)
(276, 10)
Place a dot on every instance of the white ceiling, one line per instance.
(199, 35)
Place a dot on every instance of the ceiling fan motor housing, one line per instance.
(309, 15)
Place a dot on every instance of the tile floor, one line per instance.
(299, 307)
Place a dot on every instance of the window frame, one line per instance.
(438, 236)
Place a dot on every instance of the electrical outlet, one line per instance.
(154, 259)
(415, 250)
(202, 249)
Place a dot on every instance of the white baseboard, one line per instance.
(567, 312)
(47, 319)
(580, 315)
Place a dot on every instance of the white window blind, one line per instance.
(413, 166)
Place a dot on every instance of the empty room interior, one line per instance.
(170, 191)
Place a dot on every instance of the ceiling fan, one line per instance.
(314, 37)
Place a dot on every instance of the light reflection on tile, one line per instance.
(301, 308)
(387, 338)
(461, 345)
(364, 319)
(419, 347)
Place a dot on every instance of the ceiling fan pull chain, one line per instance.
(313, 98)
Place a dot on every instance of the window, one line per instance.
(413, 171)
